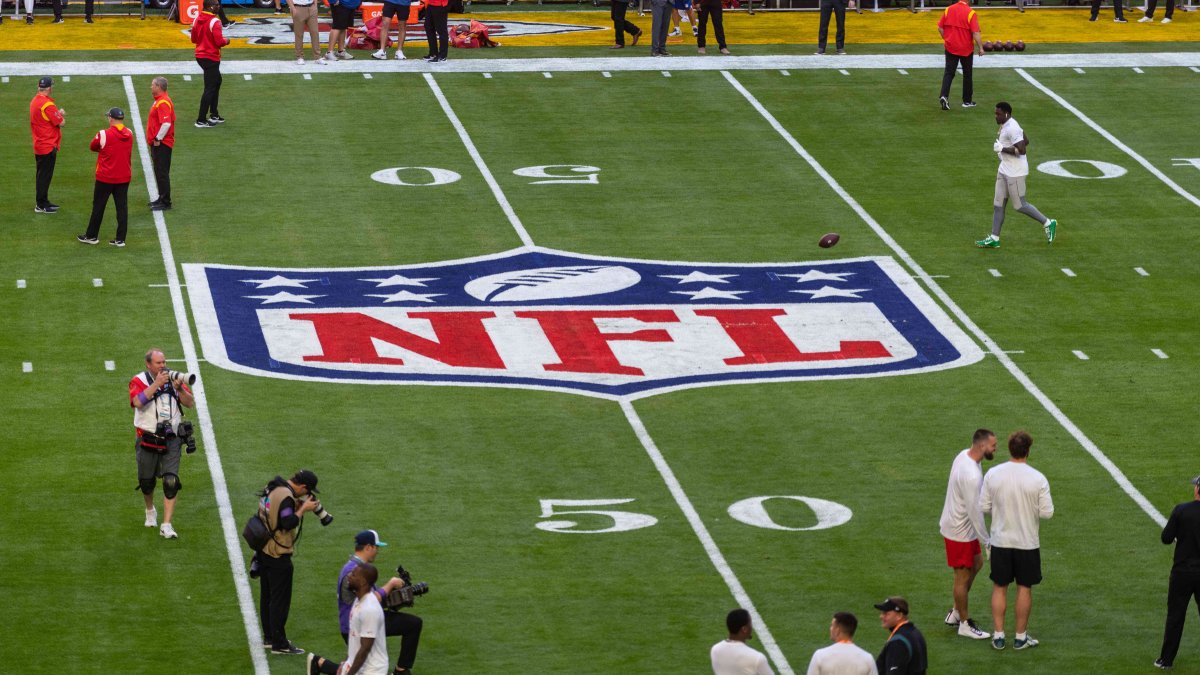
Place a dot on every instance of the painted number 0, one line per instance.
(591, 174)
(750, 511)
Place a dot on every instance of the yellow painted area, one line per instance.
(891, 27)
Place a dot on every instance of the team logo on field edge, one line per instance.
(278, 30)
(544, 319)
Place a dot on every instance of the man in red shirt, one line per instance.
(160, 132)
(959, 28)
(209, 38)
(45, 123)
(113, 172)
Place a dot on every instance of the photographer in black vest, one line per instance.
(158, 396)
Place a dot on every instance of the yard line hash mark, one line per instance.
(1141, 271)
(844, 71)
(1088, 445)
(110, 365)
(97, 282)
(367, 76)
(1159, 353)
(994, 272)
(487, 76)
(233, 545)
(1139, 71)
(1079, 70)
(1067, 271)
(902, 71)
(1081, 356)
(308, 76)
(666, 73)
(247, 77)
(27, 367)
(20, 283)
(784, 73)
(1194, 69)
(606, 74)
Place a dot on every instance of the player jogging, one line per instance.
(963, 529)
(1010, 146)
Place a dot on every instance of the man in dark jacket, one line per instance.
(1183, 529)
(904, 652)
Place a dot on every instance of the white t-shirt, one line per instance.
(366, 621)
(961, 518)
(1017, 495)
(842, 658)
(734, 657)
(1012, 165)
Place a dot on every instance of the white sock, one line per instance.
(998, 634)
(1022, 636)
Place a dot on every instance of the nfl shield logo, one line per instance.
(600, 326)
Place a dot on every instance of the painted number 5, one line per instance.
(623, 521)
(562, 176)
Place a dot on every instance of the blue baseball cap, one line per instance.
(368, 538)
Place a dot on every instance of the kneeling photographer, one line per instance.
(397, 593)
(158, 396)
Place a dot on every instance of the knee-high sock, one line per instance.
(1031, 211)
(997, 220)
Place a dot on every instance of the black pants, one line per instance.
(838, 8)
(160, 155)
(711, 8)
(437, 30)
(45, 174)
(952, 62)
(120, 194)
(1152, 4)
(1118, 11)
(275, 597)
(1185, 585)
(620, 25)
(212, 89)
(408, 627)
(88, 5)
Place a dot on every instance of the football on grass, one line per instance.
(829, 240)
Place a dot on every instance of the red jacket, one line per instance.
(162, 112)
(115, 145)
(208, 37)
(44, 122)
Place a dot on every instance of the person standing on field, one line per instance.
(304, 20)
(963, 530)
(1018, 497)
(733, 656)
(843, 657)
(959, 28)
(1182, 529)
(400, 10)
(208, 37)
(160, 132)
(1010, 146)
(114, 148)
(45, 124)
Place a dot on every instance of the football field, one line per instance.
(565, 338)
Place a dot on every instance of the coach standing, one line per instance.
(208, 37)
(437, 30)
(114, 146)
(1183, 528)
(959, 28)
(45, 123)
(160, 129)
(1018, 497)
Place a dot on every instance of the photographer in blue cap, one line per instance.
(407, 626)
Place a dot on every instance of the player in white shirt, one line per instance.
(843, 657)
(1010, 146)
(963, 530)
(367, 653)
(733, 656)
(1018, 497)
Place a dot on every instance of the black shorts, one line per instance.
(390, 10)
(1014, 563)
(343, 17)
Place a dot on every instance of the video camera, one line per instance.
(403, 596)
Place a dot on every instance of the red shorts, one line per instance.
(961, 553)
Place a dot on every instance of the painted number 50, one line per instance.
(750, 511)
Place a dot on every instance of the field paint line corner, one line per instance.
(479, 163)
(710, 545)
(1065, 422)
(233, 546)
(1110, 138)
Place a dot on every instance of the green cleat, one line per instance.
(988, 242)
(1050, 226)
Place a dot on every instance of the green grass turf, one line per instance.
(452, 476)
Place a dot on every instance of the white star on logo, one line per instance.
(831, 292)
(284, 296)
(698, 277)
(817, 275)
(709, 293)
(402, 296)
(277, 281)
(399, 280)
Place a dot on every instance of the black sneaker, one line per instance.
(216, 119)
(119, 243)
(52, 205)
(944, 102)
(160, 206)
(204, 124)
(29, 19)
(289, 649)
(84, 239)
(45, 209)
(1158, 663)
(968, 104)
(58, 19)
(88, 19)
(440, 59)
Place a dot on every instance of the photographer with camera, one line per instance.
(158, 396)
(282, 507)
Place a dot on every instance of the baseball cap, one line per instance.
(368, 538)
(306, 478)
(894, 604)
(116, 113)
(46, 82)
(1196, 481)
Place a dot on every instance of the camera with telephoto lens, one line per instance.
(325, 517)
(178, 376)
(403, 596)
(188, 435)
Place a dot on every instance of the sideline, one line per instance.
(233, 546)
(1070, 427)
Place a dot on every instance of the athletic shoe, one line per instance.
(988, 242)
(204, 124)
(430, 58)
(998, 643)
(379, 54)
(841, 52)
(216, 119)
(267, 644)
(84, 239)
(160, 206)
(700, 50)
(289, 649)
(1158, 663)
(724, 51)
(1166, 21)
(1119, 20)
(1145, 19)
(952, 618)
(45, 209)
(969, 104)
(970, 630)
(819, 52)
(1050, 227)
(345, 56)
(675, 33)
(695, 32)
(299, 60)
(29, 19)
(636, 36)
(331, 57)
(58, 19)
(119, 243)
(151, 517)
(664, 53)
(400, 56)
(88, 19)
(440, 59)
(1093, 18)
(944, 102)
(166, 530)
(321, 61)
(52, 205)
(1027, 643)
(311, 664)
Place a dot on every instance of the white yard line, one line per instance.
(1111, 139)
(233, 546)
(1075, 432)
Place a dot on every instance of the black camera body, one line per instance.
(405, 595)
(186, 434)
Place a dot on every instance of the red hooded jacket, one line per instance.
(115, 145)
(208, 37)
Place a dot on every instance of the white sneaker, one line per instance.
(967, 629)
(321, 61)
(674, 33)
(331, 57)
(345, 56)
(952, 618)
(1164, 21)
(400, 56)
(167, 531)
(151, 517)
(379, 54)
(1145, 19)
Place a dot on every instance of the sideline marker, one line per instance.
(1139, 71)
(66, 78)
(843, 71)
(4, 79)
(247, 77)
(666, 73)
(1194, 69)
(902, 71)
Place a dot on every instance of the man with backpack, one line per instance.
(282, 510)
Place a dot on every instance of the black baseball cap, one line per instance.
(306, 478)
(368, 538)
(894, 604)
(45, 82)
(116, 113)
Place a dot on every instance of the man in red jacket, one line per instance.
(45, 123)
(209, 38)
(113, 172)
(959, 28)
(160, 134)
